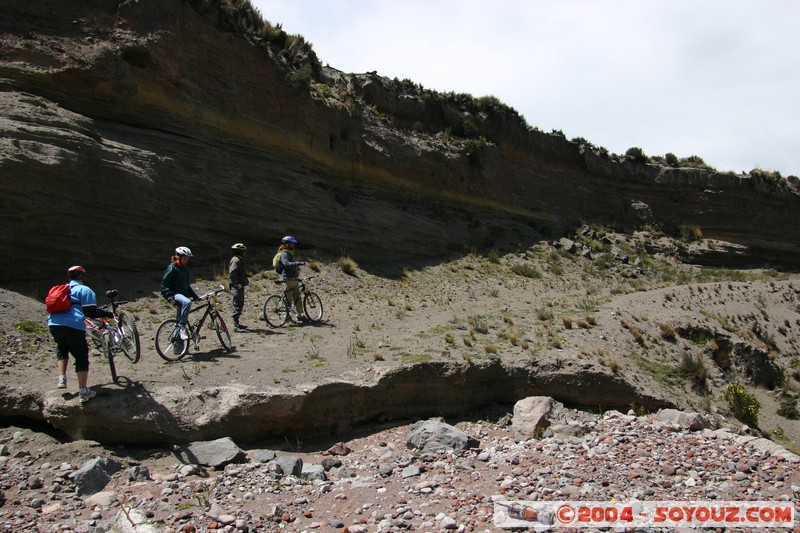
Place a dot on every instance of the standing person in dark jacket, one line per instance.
(237, 279)
(69, 331)
(175, 287)
(290, 274)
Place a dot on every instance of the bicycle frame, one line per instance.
(171, 348)
(97, 327)
(115, 335)
(197, 327)
(277, 307)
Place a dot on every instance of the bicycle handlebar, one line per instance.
(301, 280)
(209, 294)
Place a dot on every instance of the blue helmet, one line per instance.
(289, 239)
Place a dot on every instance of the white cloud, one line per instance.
(717, 78)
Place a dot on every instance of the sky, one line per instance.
(718, 79)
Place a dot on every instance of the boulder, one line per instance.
(433, 435)
(216, 453)
(313, 472)
(262, 456)
(690, 421)
(289, 465)
(534, 414)
(94, 475)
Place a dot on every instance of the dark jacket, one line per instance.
(236, 273)
(176, 281)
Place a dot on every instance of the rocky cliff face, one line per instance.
(129, 127)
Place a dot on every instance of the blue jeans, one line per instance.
(184, 305)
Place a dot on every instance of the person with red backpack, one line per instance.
(69, 331)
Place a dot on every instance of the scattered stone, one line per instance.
(340, 448)
(433, 435)
(94, 475)
(289, 465)
(534, 414)
(262, 456)
(216, 453)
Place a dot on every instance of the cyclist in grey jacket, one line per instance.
(290, 274)
(237, 279)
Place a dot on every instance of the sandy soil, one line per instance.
(466, 309)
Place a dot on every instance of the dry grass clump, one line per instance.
(490, 348)
(449, 339)
(668, 331)
(478, 324)
(348, 265)
(314, 265)
(694, 367)
(691, 232)
(468, 341)
(610, 362)
(567, 321)
(638, 334)
(527, 271)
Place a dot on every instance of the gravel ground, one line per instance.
(382, 485)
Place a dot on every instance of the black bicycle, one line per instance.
(172, 341)
(277, 306)
(115, 335)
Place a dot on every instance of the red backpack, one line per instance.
(57, 300)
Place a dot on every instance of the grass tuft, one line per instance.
(348, 265)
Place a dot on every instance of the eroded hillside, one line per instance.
(129, 127)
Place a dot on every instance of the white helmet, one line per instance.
(183, 250)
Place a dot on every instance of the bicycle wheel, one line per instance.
(109, 354)
(312, 305)
(130, 337)
(223, 334)
(169, 344)
(276, 313)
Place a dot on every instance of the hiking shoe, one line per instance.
(184, 333)
(239, 328)
(177, 346)
(86, 395)
(62, 382)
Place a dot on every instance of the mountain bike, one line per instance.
(277, 306)
(172, 341)
(114, 335)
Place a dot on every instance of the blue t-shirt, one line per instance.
(74, 318)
